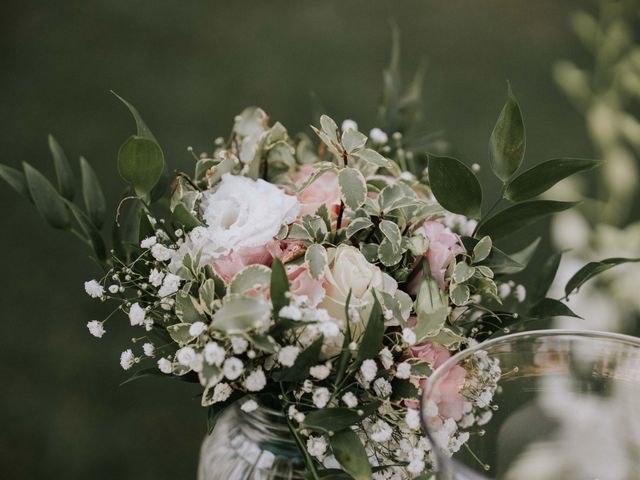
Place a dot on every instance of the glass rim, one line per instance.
(444, 461)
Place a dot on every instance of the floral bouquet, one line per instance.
(323, 279)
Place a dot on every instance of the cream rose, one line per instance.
(350, 270)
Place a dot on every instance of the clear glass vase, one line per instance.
(567, 408)
(250, 446)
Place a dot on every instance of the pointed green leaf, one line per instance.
(353, 188)
(545, 277)
(592, 269)
(64, 174)
(279, 286)
(455, 186)
(519, 216)
(350, 454)
(371, 342)
(507, 142)
(335, 419)
(142, 129)
(16, 180)
(184, 217)
(90, 231)
(140, 163)
(542, 177)
(549, 307)
(46, 199)
(497, 260)
(94, 201)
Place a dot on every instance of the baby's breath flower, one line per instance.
(214, 354)
(382, 387)
(321, 397)
(381, 431)
(221, 392)
(148, 349)
(256, 381)
(316, 446)
(114, 289)
(290, 312)
(408, 336)
(319, 372)
(350, 400)
(170, 285)
(249, 406)
(148, 242)
(368, 370)
(239, 345)
(287, 355)
(412, 418)
(403, 370)
(155, 277)
(186, 356)
(520, 293)
(136, 315)
(96, 328)
(378, 136)
(197, 328)
(232, 368)
(161, 253)
(127, 359)
(94, 289)
(349, 124)
(165, 365)
(386, 358)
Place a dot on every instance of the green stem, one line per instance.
(491, 209)
(307, 458)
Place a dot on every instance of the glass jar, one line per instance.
(566, 408)
(250, 446)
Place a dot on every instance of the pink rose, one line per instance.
(446, 394)
(228, 265)
(301, 283)
(324, 190)
(444, 245)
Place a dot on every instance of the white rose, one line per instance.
(349, 270)
(239, 213)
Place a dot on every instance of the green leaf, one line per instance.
(143, 130)
(46, 199)
(353, 187)
(460, 294)
(358, 224)
(250, 278)
(497, 260)
(338, 418)
(179, 332)
(525, 255)
(264, 343)
(507, 142)
(353, 140)
(16, 180)
(549, 307)
(482, 249)
(462, 272)
(329, 127)
(279, 286)
(316, 258)
(64, 174)
(140, 163)
(455, 186)
(188, 309)
(404, 390)
(545, 278)
(184, 217)
(371, 342)
(350, 454)
(91, 232)
(345, 354)
(519, 216)
(300, 369)
(92, 194)
(592, 269)
(545, 175)
(431, 307)
(371, 156)
(207, 295)
(241, 314)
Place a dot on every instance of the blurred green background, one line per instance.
(189, 67)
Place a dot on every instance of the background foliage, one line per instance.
(189, 67)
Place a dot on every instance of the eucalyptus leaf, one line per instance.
(350, 454)
(545, 175)
(507, 142)
(92, 194)
(455, 186)
(592, 269)
(140, 163)
(46, 198)
(64, 174)
(353, 188)
(519, 216)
